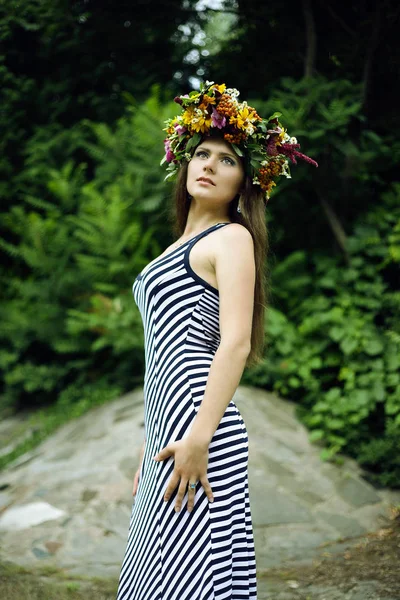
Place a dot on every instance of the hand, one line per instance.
(136, 482)
(136, 477)
(191, 462)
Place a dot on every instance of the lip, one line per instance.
(205, 180)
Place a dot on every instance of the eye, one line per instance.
(229, 160)
(201, 153)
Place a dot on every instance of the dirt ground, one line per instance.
(368, 569)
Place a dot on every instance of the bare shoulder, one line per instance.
(233, 238)
(236, 231)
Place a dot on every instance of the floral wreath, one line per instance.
(264, 141)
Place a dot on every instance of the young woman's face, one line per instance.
(215, 172)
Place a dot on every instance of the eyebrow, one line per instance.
(219, 153)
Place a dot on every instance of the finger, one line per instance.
(191, 495)
(164, 453)
(181, 493)
(207, 488)
(173, 482)
(135, 483)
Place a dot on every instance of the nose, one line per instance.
(209, 165)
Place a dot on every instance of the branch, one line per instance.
(338, 19)
(336, 226)
(311, 38)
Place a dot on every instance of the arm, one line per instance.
(235, 272)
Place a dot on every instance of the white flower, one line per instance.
(293, 140)
(256, 181)
(286, 138)
(188, 156)
(233, 92)
(285, 170)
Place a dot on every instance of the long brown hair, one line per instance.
(252, 216)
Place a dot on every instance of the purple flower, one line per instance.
(217, 120)
(290, 151)
(180, 129)
(169, 155)
(271, 147)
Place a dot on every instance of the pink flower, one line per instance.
(180, 129)
(169, 155)
(217, 120)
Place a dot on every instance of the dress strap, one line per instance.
(186, 261)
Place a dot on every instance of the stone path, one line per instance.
(68, 502)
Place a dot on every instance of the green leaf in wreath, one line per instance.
(237, 150)
(276, 115)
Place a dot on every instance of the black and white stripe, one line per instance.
(207, 554)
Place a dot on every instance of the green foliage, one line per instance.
(69, 307)
(327, 118)
(75, 74)
(334, 342)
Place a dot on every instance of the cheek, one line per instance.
(189, 173)
(191, 170)
(237, 182)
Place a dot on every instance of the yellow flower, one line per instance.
(171, 127)
(244, 119)
(188, 115)
(196, 120)
(221, 88)
(281, 136)
(195, 97)
(207, 100)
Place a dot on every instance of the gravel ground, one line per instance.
(368, 569)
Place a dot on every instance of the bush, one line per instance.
(334, 342)
(81, 239)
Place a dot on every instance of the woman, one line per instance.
(202, 303)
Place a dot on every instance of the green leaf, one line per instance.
(337, 333)
(237, 150)
(189, 145)
(373, 347)
(348, 345)
(193, 142)
(316, 435)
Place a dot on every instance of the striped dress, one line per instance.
(208, 553)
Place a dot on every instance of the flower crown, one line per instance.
(264, 142)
